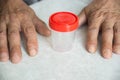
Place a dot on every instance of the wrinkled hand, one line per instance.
(16, 17)
(104, 16)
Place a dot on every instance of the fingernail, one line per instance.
(117, 50)
(33, 52)
(107, 53)
(91, 49)
(15, 59)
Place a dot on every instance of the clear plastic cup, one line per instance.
(63, 27)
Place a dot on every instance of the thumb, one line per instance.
(82, 17)
(41, 27)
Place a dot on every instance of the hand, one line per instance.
(104, 16)
(16, 17)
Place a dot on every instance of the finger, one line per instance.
(116, 44)
(82, 17)
(41, 27)
(107, 38)
(4, 56)
(30, 36)
(94, 23)
(14, 39)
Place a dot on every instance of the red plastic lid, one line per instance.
(63, 21)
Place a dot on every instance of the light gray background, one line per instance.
(76, 64)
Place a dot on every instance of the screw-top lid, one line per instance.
(63, 21)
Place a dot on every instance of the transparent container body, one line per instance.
(62, 41)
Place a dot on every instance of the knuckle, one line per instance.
(107, 26)
(116, 37)
(111, 15)
(25, 13)
(13, 16)
(2, 34)
(2, 18)
(116, 43)
(107, 29)
(15, 47)
(30, 32)
(29, 29)
(12, 33)
(93, 42)
(6, 18)
(95, 17)
(116, 30)
(92, 29)
(22, 13)
(96, 14)
(30, 41)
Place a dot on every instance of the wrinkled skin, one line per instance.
(104, 16)
(16, 18)
(101, 15)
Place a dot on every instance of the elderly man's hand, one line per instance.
(16, 17)
(104, 16)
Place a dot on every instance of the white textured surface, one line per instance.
(76, 64)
